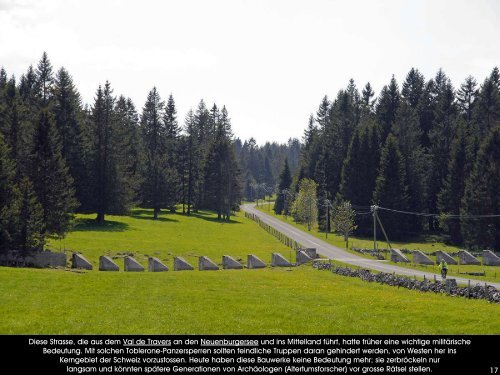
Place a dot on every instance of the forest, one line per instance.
(425, 153)
(59, 156)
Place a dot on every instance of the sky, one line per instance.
(268, 61)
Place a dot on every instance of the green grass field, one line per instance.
(492, 273)
(272, 301)
(169, 236)
(266, 301)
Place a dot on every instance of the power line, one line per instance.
(447, 216)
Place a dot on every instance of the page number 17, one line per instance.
(493, 370)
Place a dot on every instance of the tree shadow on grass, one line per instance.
(150, 217)
(90, 225)
(208, 217)
(145, 214)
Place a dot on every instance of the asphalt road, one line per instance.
(336, 253)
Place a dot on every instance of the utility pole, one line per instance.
(327, 213)
(374, 211)
(309, 214)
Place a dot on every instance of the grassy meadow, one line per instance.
(171, 235)
(265, 301)
(269, 301)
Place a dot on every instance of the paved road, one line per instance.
(341, 255)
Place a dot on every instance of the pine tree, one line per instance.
(391, 190)
(51, 179)
(285, 180)
(481, 196)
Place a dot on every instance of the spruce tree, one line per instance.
(68, 117)
(172, 133)
(387, 106)
(44, 81)
(222, 186)
(487, 110)
(335, 139)
(441, 135)
(407, 130)
(391, 190)
(28, 88)
(51, 179)
(205, 124)
(172, 128)
(31, 228)
(310, 150)
(367, 102)
(16, 129)
(413, 88)
(3, 78)
(466, 97)
(9, 199)
(108, 170)
(481, 196)
(191, 172)
(359, 171)
(453, 188)
(285, 180)
(154, 135)
(128, 150)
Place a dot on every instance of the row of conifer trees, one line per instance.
(59, 156)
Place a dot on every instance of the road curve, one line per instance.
(341, 255)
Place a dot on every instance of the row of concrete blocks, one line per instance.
(466, 258)
(180, 264)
